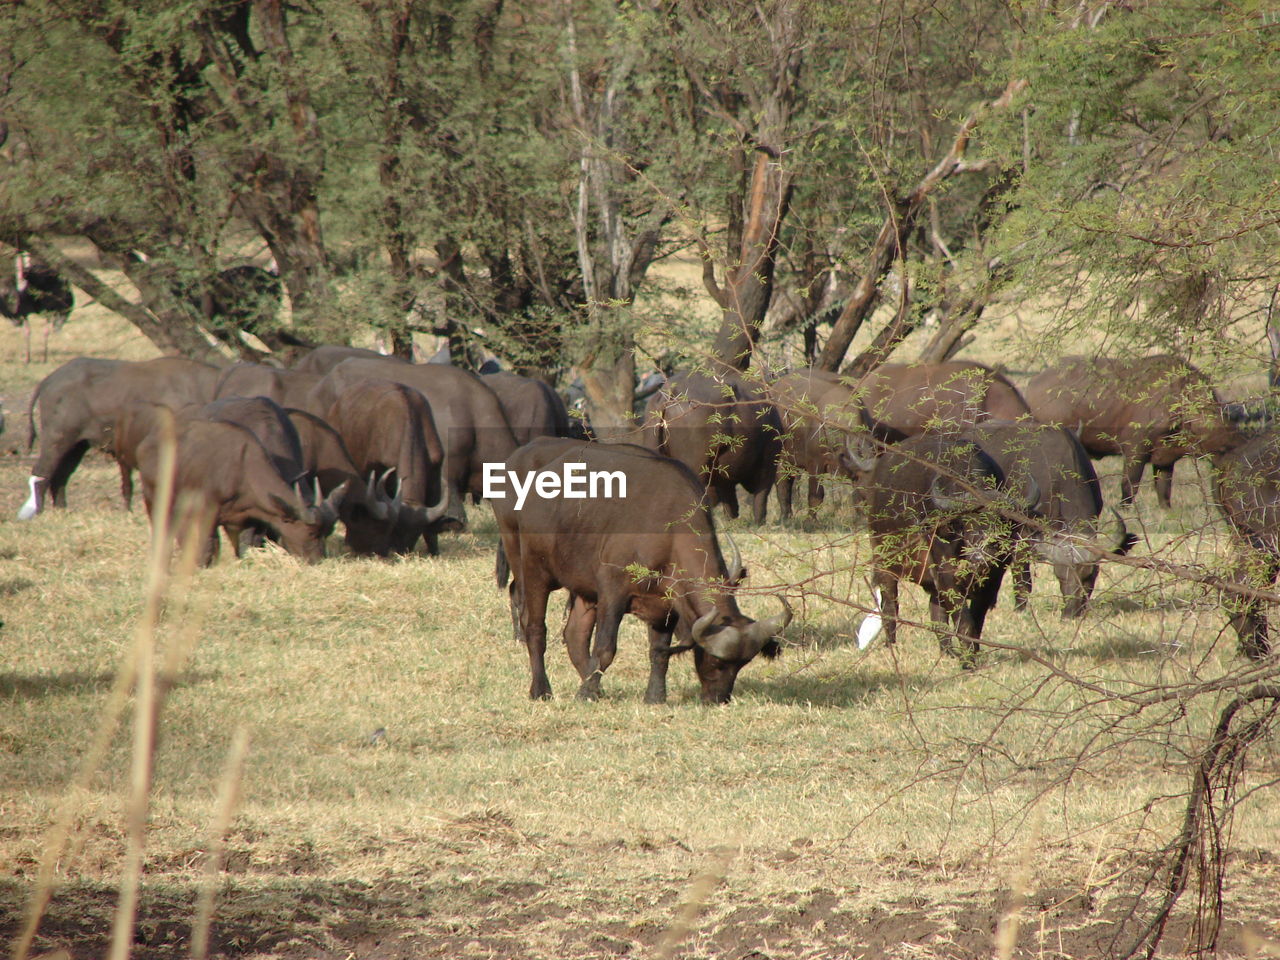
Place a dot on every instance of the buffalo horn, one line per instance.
(735, 565)
(851, 457)
(1032, 495)
(700, 626)
(1062, 549)
(1124, 539)
(726, 644)
(436, 511)
(941, 500)
(375, 500)
(327, 508)
(762, 631)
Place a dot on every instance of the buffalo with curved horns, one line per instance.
(652, 553)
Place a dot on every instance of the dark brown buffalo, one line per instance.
(80, 402)
(468, 415)
(267, 421)
(323, 359)
(533, 409)
(366, 511)
(224, 477)
(593, 548)
(1066, 528)
(388, 428)
(1247, 488)
(818, 411)
(289, 388)
(32, 289)
(904, 400)
(721, 429)
(135, 424)
(938, 518)
(1145, 409)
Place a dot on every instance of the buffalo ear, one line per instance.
(287, 509)
(771, 650)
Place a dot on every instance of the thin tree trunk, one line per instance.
(173, 336)
(902, 217)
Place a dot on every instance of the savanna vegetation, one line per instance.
(345, 763)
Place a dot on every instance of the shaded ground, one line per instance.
(455, 912)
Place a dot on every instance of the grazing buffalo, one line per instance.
(723, 430)
(468, 415)
(649, 550)
(388, 428)
(818, 412)
(323, 359)
(267, 421)
(1145, 409)
(936, 515)
(80, 402)
(1065, 531)
(133, 426)
(288, 388)
(1248, 493)
(366, 511)
(224, 477)
(533, 409)
(35, 289)
(904, 400)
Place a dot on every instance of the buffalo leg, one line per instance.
(58, 459)
(980, 604)
(786, 490)
(578, 628)
(727, 494)
(608, 619)
(816, 494)
(533, 623)
(760, 506)
(1134, 464)
(941, 616)
(1162, 477)
(126, 486)
(1022, 582)
(659, 660)
(886, 585)
(432, 539)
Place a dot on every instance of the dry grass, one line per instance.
(875, 803)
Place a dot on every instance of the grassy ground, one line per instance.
(847, 804)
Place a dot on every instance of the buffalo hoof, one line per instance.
(655, 697)
(539, 693)
(590, 689)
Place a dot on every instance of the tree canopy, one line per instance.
(509, 174)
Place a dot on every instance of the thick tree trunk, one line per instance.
(748, 284)
(282, 202)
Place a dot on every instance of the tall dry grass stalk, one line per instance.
(1011, 919)
(137, 672)
(144, 712)
(704, 884)
(228, 798)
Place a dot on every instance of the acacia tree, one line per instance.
(1147, 203)
(155, 133)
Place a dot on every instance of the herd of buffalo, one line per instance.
(959, 474)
